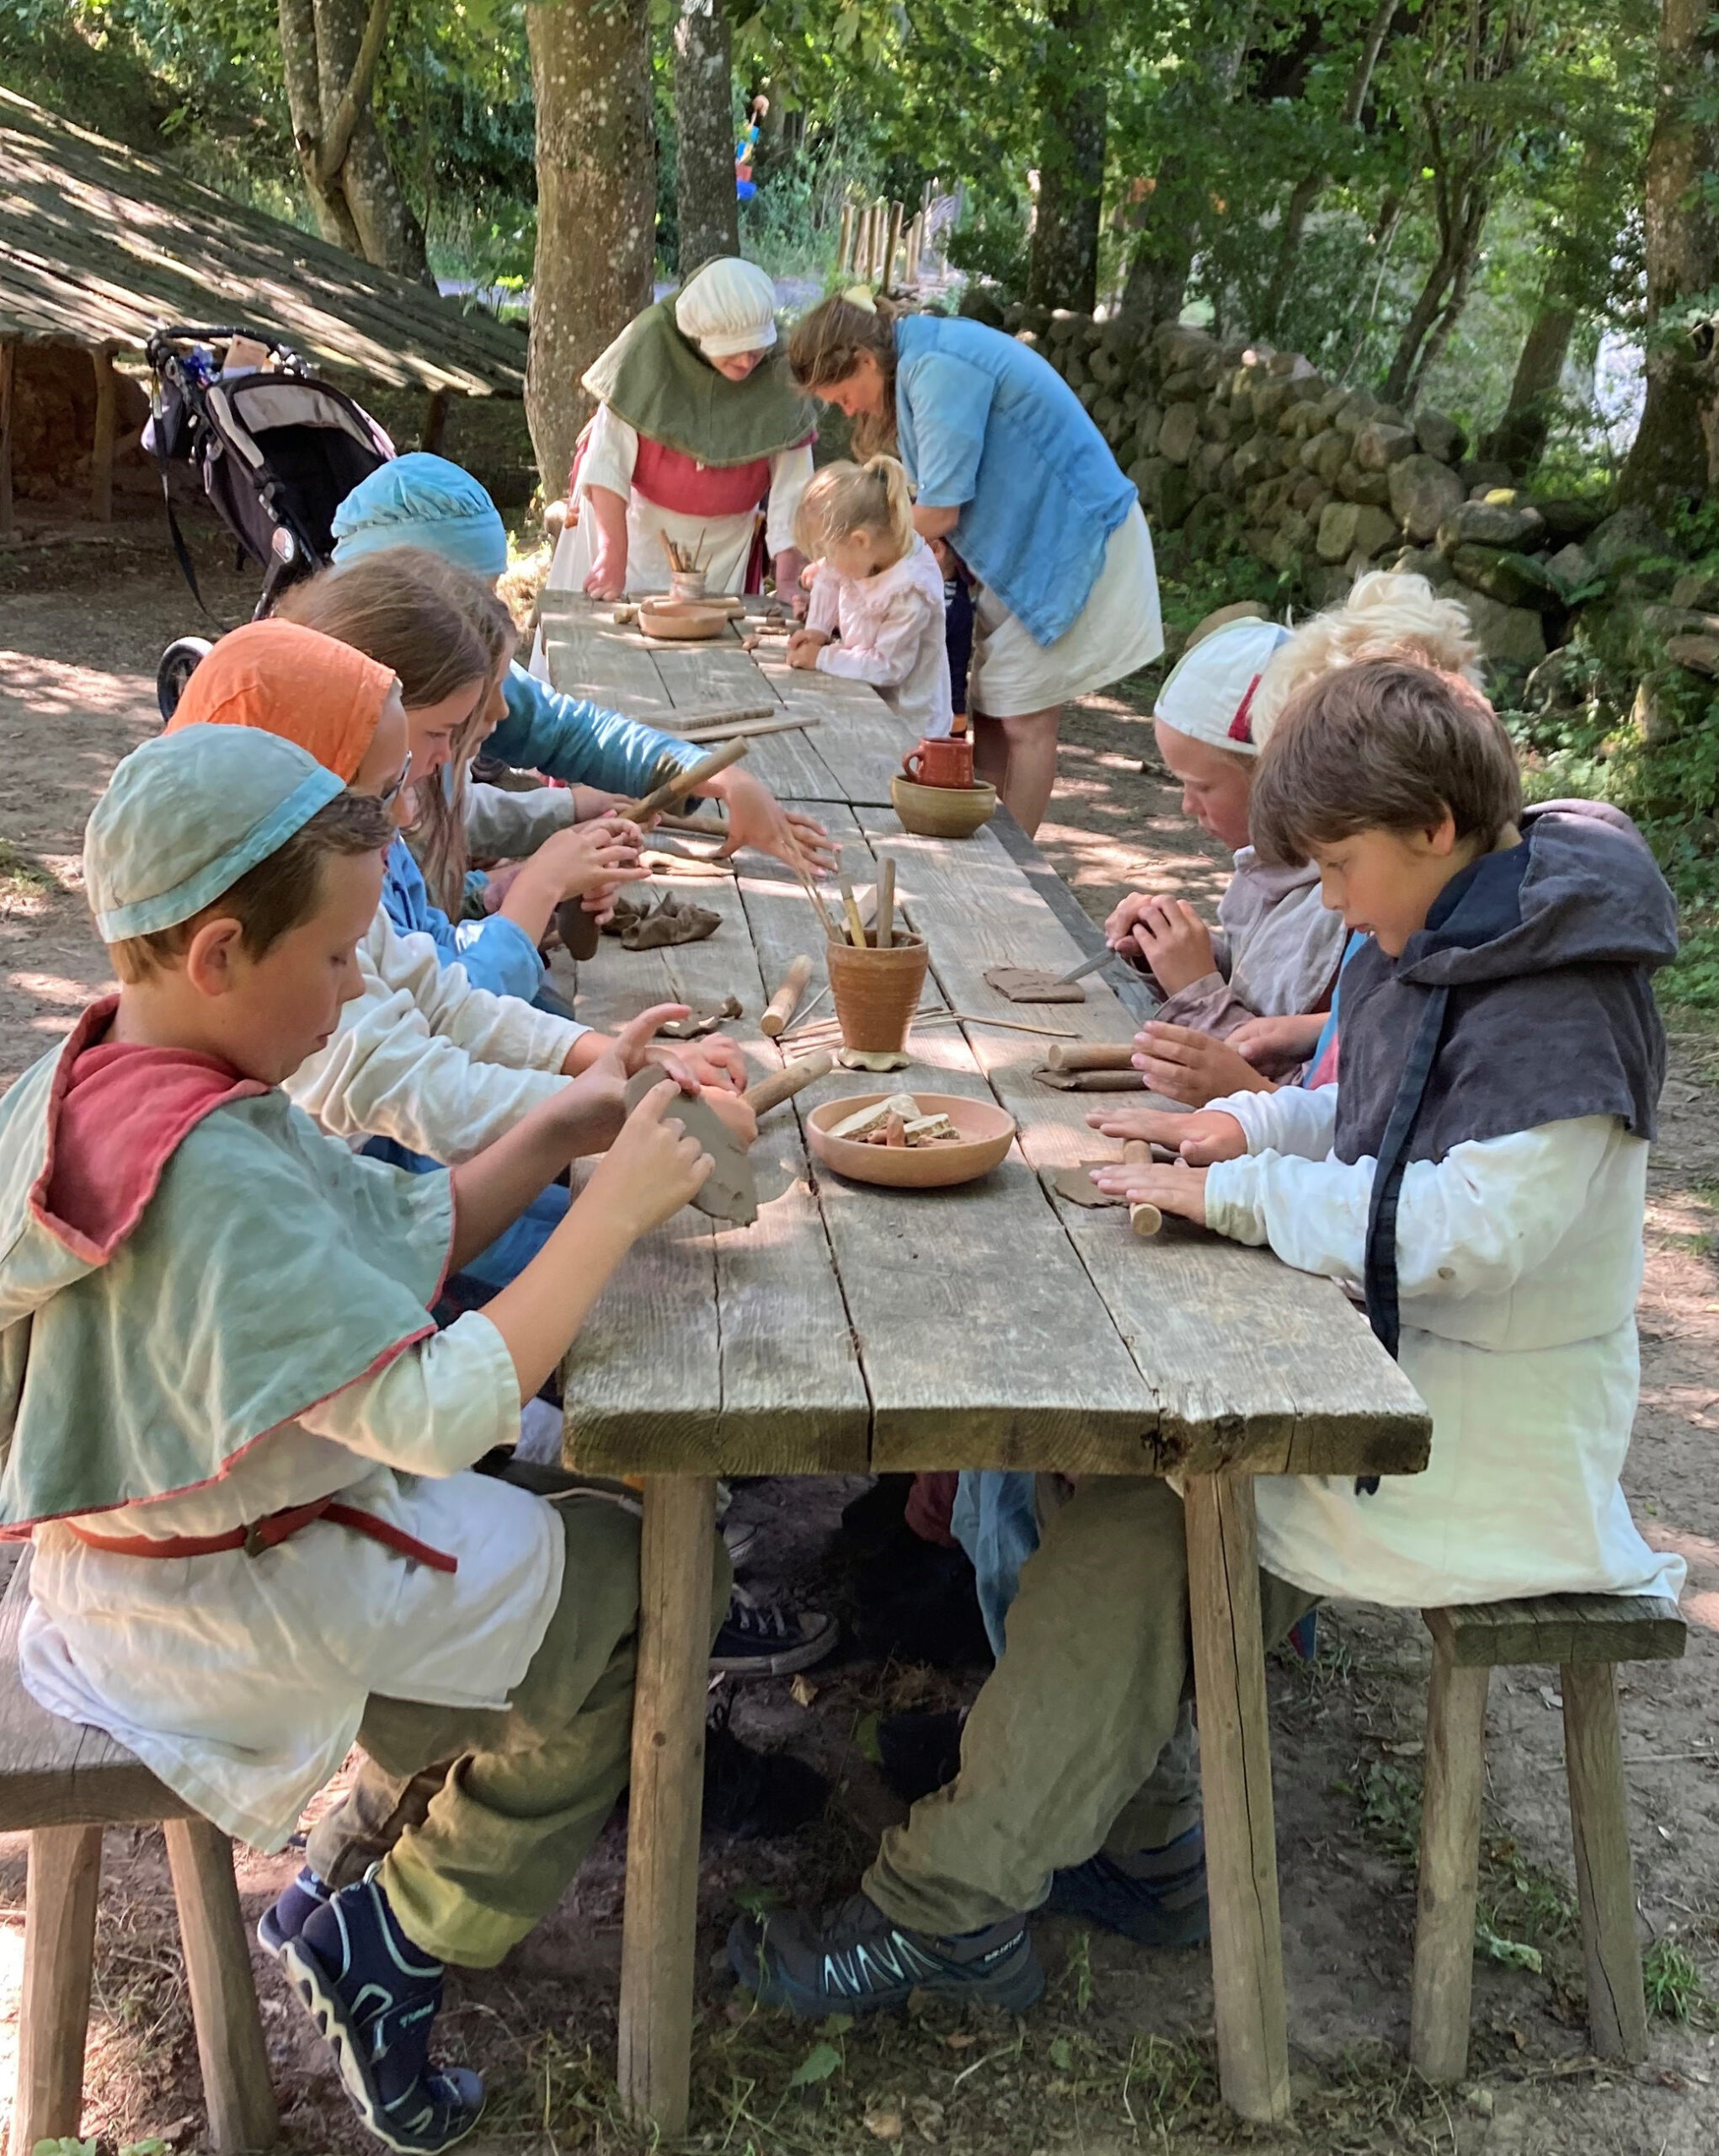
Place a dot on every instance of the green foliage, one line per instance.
(1672, 1979)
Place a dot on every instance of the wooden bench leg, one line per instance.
(230, 2049)
(59, 1961)
(1449, 1868)
(1594, 1760)
(1235, 1754)
(665, 1806)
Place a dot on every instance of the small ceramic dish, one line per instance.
(942, 812)
(987, 1132)
(682, 620)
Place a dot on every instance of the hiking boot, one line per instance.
(740, 1537)
(287, 1918)
(1156, 1897)
(761, 1639)
(749, 1794)
(375, 1996)
(857, 1961)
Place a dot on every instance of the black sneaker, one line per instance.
(761, 1639)
(375, 1996)
(857, 1961)
(920, 1751)
(748, 1794)
(1156, 1897)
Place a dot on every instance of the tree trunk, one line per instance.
(1309, 189)
(1520, 435)
(328, 51)
(596, 205)
(1671, 456)
(1062, 267)
(1163, 255)
(705, 209)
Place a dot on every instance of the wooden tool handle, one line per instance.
(687, 782)
(710, 827)
(772, 1093)
(781, 1007)
(1093, 1055)
(1144, 1219)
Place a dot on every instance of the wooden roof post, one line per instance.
(8, 381)
(101, 462)
(436, 420)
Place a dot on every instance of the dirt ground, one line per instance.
(1119, 2056)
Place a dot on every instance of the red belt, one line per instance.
(272, 1528)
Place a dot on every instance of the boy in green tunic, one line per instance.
(242, 1448)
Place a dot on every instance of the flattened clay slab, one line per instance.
(1077, 1186)
(1091, 1081)
(702, 1018)
(1033, 984)
(729, 1192)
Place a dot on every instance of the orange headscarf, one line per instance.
(294, 682)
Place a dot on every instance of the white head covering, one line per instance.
(1209, 695)
(729, 307)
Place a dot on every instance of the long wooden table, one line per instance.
(855, 1328)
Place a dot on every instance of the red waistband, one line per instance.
(266, 1532)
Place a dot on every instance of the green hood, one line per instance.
(269, 1268)
(665, 388)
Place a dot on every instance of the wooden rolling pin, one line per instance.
(1144, 1219)
(781, 1007)
(1093, 1055)
(771, 1092)
(687, 782)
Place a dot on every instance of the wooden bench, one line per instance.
(63, 1783)
(1587, 1636)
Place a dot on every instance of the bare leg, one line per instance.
(1018, 757)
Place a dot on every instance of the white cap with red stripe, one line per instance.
(1209, 694)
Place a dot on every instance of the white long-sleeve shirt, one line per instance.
(892, 636)
(423, 1058)
(241, 1681)
(1519, 1260)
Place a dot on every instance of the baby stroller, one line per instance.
(278, 450)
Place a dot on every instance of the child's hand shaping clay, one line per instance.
(1175, 942)
(586, 857)
(651, 1168)
(1192, 1067)
(1295, 1038)
(758, 820)
(734, 1111)
(714, 1064)
(803, 647)
(589, 801)
(1207, 1135)
(595, 1105)
(1119, 928)
(1173, 1190)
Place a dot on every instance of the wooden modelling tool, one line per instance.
(856, 921)
(1145, 1219)
(771, 1092)
(685, 782)
(781, 1007)
(886, 902)
(729, 1192)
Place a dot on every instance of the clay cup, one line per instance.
(876, 992)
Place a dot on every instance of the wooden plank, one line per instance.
(583, 661)
(1599, 1825)
(63, 1884)
(665, 1800)
(55, 1772)
(1234, 1763)
(230, 2050)
(982, 1341)
(1253, 1365)
(722, 1349)
(1560, 1628)
(1450, 1869)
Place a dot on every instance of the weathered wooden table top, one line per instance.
(994, 1325)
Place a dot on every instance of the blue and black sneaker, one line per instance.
(1156, 1897)
(285, 1919)
(375, 1996)
(857, 1961)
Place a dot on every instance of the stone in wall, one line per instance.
(1423, 493)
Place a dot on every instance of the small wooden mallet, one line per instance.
(771, 1092)
(782, 1005)
(683, 782)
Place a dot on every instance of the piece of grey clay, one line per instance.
(1090, 1081)
(671, 919)
(702, 1018)
(1033, 984)
(729, 1192)
(1077, 1186)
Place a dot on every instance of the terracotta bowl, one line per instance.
(987, 1132)
(942, 812)
(682, 620)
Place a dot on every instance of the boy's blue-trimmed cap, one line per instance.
(186, 815)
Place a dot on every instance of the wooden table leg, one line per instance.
(64, 1881)
(1235, 1751)
(1599, 1823)
(665, 1808)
